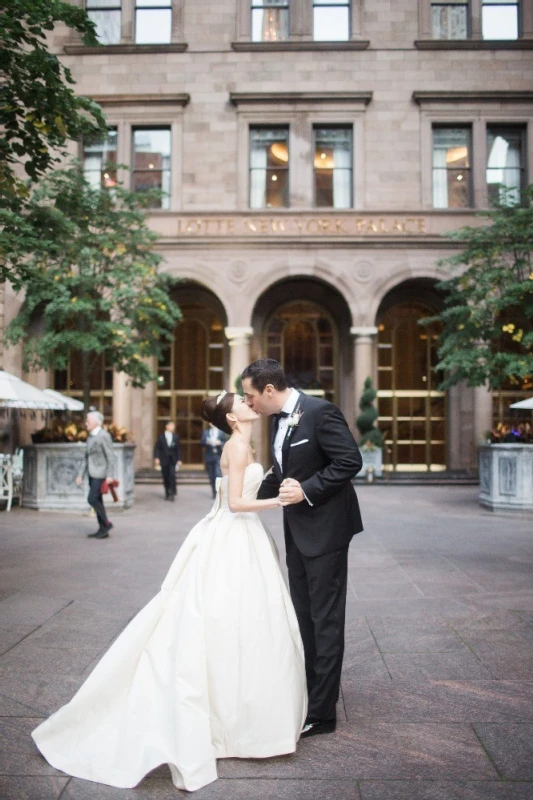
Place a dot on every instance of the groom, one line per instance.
(315, 458)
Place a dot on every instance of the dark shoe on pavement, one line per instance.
(314, 727)
(96, 534)
(172, 498)
(104, 533)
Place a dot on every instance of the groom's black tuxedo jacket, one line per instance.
(322, 455)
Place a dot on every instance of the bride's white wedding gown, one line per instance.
(212, 667)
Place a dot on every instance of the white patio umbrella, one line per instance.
(15, 393)
(69, 403)
(523, 404)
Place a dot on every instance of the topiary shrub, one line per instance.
(371, 437)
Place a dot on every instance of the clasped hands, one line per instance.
(290, 492)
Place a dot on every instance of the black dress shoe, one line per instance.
(96, 534)
(315, 727)
(104, 532)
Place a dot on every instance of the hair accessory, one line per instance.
(221, 396)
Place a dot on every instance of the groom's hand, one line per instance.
(290, 492)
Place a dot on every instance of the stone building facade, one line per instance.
(314, 154)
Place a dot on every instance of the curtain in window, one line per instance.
(258, 176)
(440, 176)
(342, 175)
(503, 166)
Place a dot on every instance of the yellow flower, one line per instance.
(74, 300)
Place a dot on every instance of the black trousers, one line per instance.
(168, 472)
(212, 466)
(318, 591)
(95, 500)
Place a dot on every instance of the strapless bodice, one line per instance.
(253, 476)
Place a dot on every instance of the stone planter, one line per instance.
(374, 459)
(506, 477)
(50, 472)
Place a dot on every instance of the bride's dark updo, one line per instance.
(215, 412)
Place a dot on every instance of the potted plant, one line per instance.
(371, 438)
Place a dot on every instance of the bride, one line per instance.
(213, 666)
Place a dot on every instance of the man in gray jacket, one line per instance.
(98, 464)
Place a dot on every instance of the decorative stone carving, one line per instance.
(50, 472)
(506, 477)
(363, 271)
(237, 272)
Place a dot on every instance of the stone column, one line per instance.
(239, 343)
(482, 414)
(122, 393)
(365, 344)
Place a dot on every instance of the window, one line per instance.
(270, 20)
(269, 167)
(449, 20)
(153, 21)
(331, 20)
(333, 167)
(499, 19)
(451, 167)
(505, 148)
(99, 161)
(106, 15)
(151, 162)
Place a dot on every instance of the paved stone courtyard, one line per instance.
(438, 676)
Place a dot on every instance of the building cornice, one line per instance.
(474, 44)
(181, 99)
(124, 49)
(474, 96)
(258, 98)
(287, 45)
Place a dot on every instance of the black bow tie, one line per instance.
(282, 414)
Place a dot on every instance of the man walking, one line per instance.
(213, 441)
(315, 458)
(98, 464)
(167, 453)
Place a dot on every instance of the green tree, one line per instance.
(96, 287)
(39, 110)
(366, 420)
(487, 334)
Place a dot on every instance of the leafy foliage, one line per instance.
(487, 335)
(366, 420)
(39, 110)
(96, 287)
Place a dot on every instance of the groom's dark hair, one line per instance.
(265, 371)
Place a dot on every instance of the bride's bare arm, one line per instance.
(238, 459)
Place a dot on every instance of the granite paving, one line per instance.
(437, 685)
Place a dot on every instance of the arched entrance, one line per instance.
(412, 409)
(303, 337)
(304, 324)
(193, 366)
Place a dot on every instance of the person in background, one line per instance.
(167, 454)
(98, 464)
(213, 441)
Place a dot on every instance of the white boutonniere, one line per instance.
(294, 419)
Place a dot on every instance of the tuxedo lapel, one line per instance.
(286, 448)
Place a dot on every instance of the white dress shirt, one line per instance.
(283, 425)
(168, 436)
(96, 431)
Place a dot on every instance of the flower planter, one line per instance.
(50, 472)
(506, 477)
(374, 459)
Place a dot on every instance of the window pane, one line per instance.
(270, 24)
(153, 3)
(99, 159)
(504, 163)
(107, 25)
(331, 24)
(333, 167)
(269, 161)
(151, 162)
(451, 167)
(153, 26)
(449, 21)
(499, 21)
